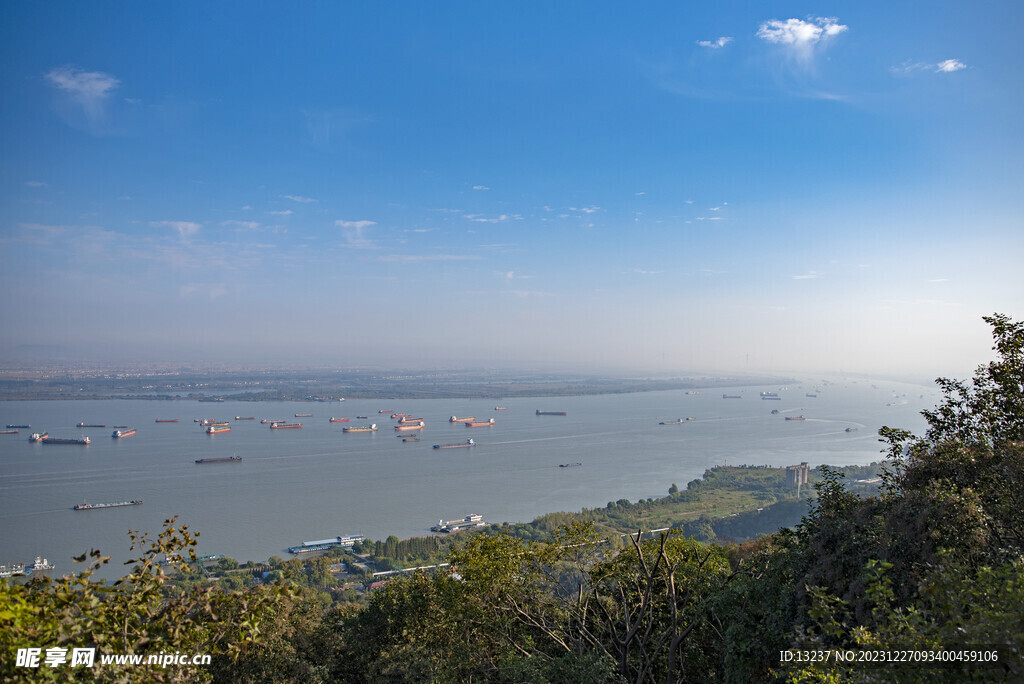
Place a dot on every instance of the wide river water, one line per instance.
(317, 482)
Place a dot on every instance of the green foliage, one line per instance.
(139, 613)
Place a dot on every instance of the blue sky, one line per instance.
(774, 186)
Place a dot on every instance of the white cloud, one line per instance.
(950, 65)
(251, 225)
(83, 85)
(299, 198)
(715, 44)
(354, 235)
(480, 187)
(35, 184)
(358, 225)
(480, 218)
(417, 258)
(88, 89)
(643, 272)
(286, 212)
(184, 228)
(799, 36)
(586, 210)
(810, 275)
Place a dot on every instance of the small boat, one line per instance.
(303, 415)
(851, 429)
(362, 417)
(480, 423)
(500, 408)
(339, 420)
(569, 465)
(167, 420)
(230, 459)
(94, 425)
(795, 418)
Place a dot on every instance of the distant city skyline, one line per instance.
(581, 186)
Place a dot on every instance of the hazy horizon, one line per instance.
(588, 187)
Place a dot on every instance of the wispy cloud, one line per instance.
(643, 272)
(800, 38)
(947, 66)
(354, 233)
(480, 187)
(286, 212)
(715, 44)
(939, 280)
(251, 225)
(35, 184)
(810, 275)
(586, 210)
(184, 228)
(358, 225)
(480, 218)
(299, 198)
(87, 89)
(418, 258)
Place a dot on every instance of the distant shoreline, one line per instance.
(330, 391)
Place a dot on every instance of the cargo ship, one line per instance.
(480, 423)
(84, 441)
(362, 417)
(324, 544)
(453, 419)
(672, 422)
(245, 417)
(339, 420)
(569, 465)
(406, 421)
(8, 432)
(18, 427)
(386, 411)
(220, 423)
(769, 394)
(500, 408)
(267, 420)
(89, 506)
(812, 396)
(38, 436)
(551, 413)
(731, 396)
(217, 429)
(365, 428)
(409, 439)
(118, 434)
(303, 415)
(399, 416)
(93, 425)
(229, 459)
(795, 418)
(285, 426)
(460, 445)
(772, 398)
(414, 426)
(167, 420)
(471, 520)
